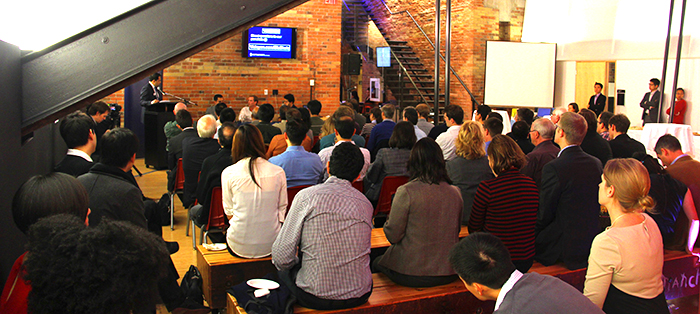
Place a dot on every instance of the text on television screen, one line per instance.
(271, 42)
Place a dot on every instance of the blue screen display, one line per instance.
(271, 42)
(383, 57)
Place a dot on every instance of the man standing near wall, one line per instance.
(650, 102)
(597, 101)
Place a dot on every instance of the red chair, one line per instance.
(291, 192)
(386, 194)
(359, 185)
(178, 189)
(217, 222)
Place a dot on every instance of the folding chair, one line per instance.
(359, 185)
(291, 192)
(178, 189)
(217, 222)
(386, 194)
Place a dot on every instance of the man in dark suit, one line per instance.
(541, 135)
(78, 131)
(621, 144)
(150, 94)
(184, 122)
(679, 165)
(194, 151)
(597, 101)
(651, 102)
(594, 144)
(567, 220)
(384, 129)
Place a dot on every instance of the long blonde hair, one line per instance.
(470, 141)
(631, 181)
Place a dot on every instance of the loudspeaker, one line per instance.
(352, 63)
(620, 97)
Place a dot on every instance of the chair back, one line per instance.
(386, 194)
(359, 185)
(179, 176)
(217, 217)
(291, 192)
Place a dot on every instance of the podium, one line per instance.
(154, 119)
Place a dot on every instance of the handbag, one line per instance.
(279, 301)
(191, 285)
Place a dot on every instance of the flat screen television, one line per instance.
(270, 42)
(383, 57)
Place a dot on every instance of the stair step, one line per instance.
(407, 81)
(403, 52)
(408, 58)
(399, 47)
(414, 70)
(396, 42)
(411, 63)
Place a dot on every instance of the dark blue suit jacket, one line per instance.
(381, 131)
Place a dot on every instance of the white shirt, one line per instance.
(79, 153)
(326, 153)
(419, 133)
(256, 213)
(447, 142)
(562, 150)
(245, 115)
(514, 277)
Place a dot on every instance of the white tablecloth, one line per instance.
(652, 131)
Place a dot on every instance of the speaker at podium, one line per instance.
(154, 119)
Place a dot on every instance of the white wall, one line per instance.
(565, 83)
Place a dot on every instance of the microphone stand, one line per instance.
(184, 100)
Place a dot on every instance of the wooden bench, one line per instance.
(220, 270)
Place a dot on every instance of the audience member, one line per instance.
(573, 107)
(519, 134)
(265, 113)
(227, 115)
(314, 107)
(525, 114)
(323, 249)
(567, 220)
(598, 101)
(194, 151)
(482, 113)
(625, 266)
(423, 116)
(492, 127)
(78, 131)
(246, 114)
(454, 116)
(218, 108)
(496, 115)
(541, 135)
(254, 195)
(603, 120)
(556, 114)
(300, 167)
(170, 128)
(621, 144)
(678, 108)
(99, 112)
(679, 165)
(594, 144)
(218, 98)
(306, 116)
(344, 130)
(359, 118)
(328, 136)
(289, 101)
(391, 161)
(184, 123)
(382, 131)
(506, 206)
(411, 115)
(483, 263)
(419, 206)
(282, 124)
(437, 130)
(471, 166)
(375, 117)
(278, 144)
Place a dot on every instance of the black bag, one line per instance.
(164, 209)
(191, 285)
(279, 301)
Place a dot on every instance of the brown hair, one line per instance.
(631, 181)
(470, 141)
(248, 142)
(505, 154)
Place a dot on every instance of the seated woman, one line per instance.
(41, 196)
(626, 261)
(506, 206)
(390, 161)
(423, 224)
(471, 165)
(254, 195)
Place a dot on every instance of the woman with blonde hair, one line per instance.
(626, 261)
(471, 165)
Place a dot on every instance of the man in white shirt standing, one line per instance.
(246, 115)
(454, 116)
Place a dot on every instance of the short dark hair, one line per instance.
(649, 162)
(598, 84)
(667, 141)
(496, 115)
(230, 128)
(183, 118)
(66, 253)
(289, 98)
(455, 112)
(575, 106)
(345, 127)
(99, 107)
(220, 106)
(227, 115)
(296, 129)
(388, 111)
(283, 112)
(655, 81)
(520, 130)
(403, 136)
(482, 258)
(314, 106)
(154, 76)
(46, 195)
(621, 122)
(248, 142)
(591, 120)
(526, 115)
(266, 112)
(483, 111)
(377, 113)
(118, 146)
(605, 118)
(411, 115)
(423, 110)
(75, 129)
(426, 162)
(494, 126)
(680, 89)
(346, 161)
(305, 115)
(505, 154)
(217, 96)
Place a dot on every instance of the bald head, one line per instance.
(206, 126)
(179, 106)
(556, 114)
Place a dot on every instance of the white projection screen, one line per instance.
(520, 74)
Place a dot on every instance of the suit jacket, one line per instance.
(623, 146)
(651, 107)
(148, 95)
(381, 131)
(467, 174)
(74, 165)
(597, 106)
(596, 146)
(535, 293)
(194, 151)
(687, 170)
(175, 151)
(437, 130)
(209, 178)
(567, 220)
(540, 156)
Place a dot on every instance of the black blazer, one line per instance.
(567, 220)
(148, 94)
(175, 151)
(599, 105)
(651, 107)
(209, 178)
(73, 165)
(623, 146)
(194, 151)
(596, 146)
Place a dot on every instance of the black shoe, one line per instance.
(173, 247)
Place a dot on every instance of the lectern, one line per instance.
(155, 117)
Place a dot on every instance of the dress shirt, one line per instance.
(330, 227)
(419, 133)
(300, 166)
(562, 150)
(514, 277)
(326, 153)
(84, 155)
(424, 125)
(679, 157)
(245, 115)
(329, 140)
(256, 212)
(447, 142)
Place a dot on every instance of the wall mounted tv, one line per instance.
(270, 42)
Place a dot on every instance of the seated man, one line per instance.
(314, 107)
(424, 113)
(265, 113)
(483, 263)
(170, 128)
(482, 113)
(78, 131)
(184, 123)
(492, 127)
(603, 126)
(344, 130)
(300, 166)
(541, 135)
(279, 145)
(330, 139)
(621, 144)
(226, 115)
(194, 151)
(323, 249)
(411, 115)
(383, 130)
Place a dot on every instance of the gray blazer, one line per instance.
(467, 174)
(535, 293)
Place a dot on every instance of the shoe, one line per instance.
(173, 247)
(191, 307)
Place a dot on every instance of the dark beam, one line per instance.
(104, 59)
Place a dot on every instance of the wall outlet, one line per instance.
(265, 92)
(311, 82)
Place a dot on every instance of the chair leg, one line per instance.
(203, 235)
(187, 230)
(172, 211)
(194, 236)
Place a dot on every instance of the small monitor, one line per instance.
(541, 112)
(383, 57)
(270, 42)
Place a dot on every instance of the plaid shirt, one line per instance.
(331, 224)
